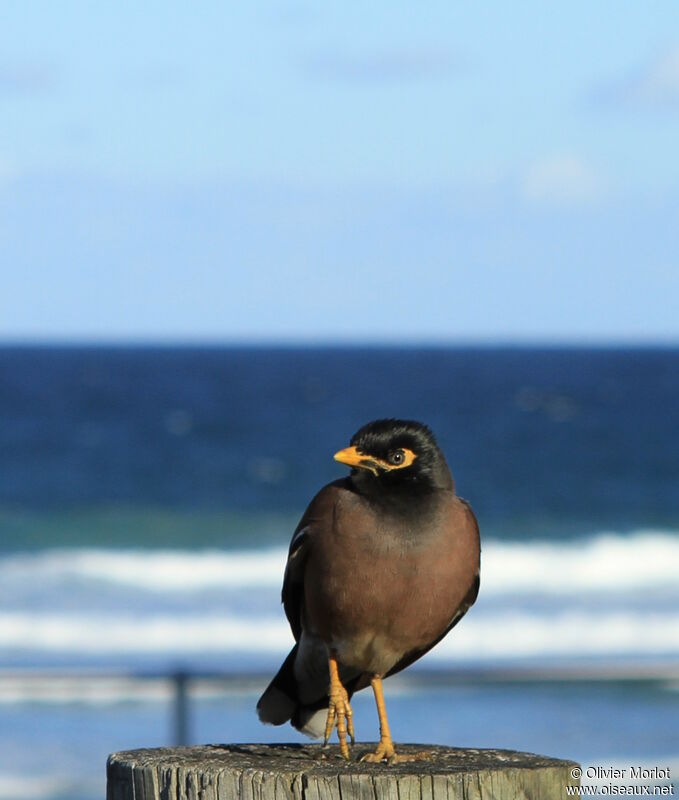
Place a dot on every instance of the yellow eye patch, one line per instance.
(398, 459)
(354, 458)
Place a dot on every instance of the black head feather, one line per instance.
(384, 437)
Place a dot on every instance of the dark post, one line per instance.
(181, 708)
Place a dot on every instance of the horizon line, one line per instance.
(349, 343)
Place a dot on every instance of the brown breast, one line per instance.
(377, 588)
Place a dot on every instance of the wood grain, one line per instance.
(312, 772)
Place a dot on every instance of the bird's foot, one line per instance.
(340, 716)
(385, 752)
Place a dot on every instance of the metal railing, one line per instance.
(178, 686)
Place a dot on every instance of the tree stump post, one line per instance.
(313, 772)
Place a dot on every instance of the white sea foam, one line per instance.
(482, 635)
(608, 595)
(603, 563)
(105, 689)
(101, 634)
(41, 787)
(569, 634)
(150, 570)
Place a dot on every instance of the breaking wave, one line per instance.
(603, 563)
(572, 633)
(609, 595)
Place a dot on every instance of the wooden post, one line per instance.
(312, 772)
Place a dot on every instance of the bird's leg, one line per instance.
(339, 710)
(385, 749)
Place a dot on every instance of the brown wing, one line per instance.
(319, 513)
(465, 605)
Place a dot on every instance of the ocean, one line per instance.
(148, 495)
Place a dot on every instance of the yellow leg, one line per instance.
(385, 749)
(339, 710)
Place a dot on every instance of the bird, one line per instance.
(383, 563)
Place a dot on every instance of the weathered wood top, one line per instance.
(312, 772)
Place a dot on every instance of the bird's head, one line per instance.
(395, 453)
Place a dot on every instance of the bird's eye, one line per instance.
(397, 457)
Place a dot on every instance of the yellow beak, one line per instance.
(350, 456)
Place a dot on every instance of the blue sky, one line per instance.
(340, 172)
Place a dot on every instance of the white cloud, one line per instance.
(386, 66)
(9, 169)
(655, 84)
(562, 180)
(26, 78)
(662, 81)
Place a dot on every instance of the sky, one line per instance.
(379, 172)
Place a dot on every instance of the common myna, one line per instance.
(381, 566)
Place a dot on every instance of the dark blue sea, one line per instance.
(147, 498)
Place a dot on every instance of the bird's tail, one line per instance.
(281, 702)
(299, 691)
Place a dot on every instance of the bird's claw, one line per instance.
(385, 752)
(340, 716)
